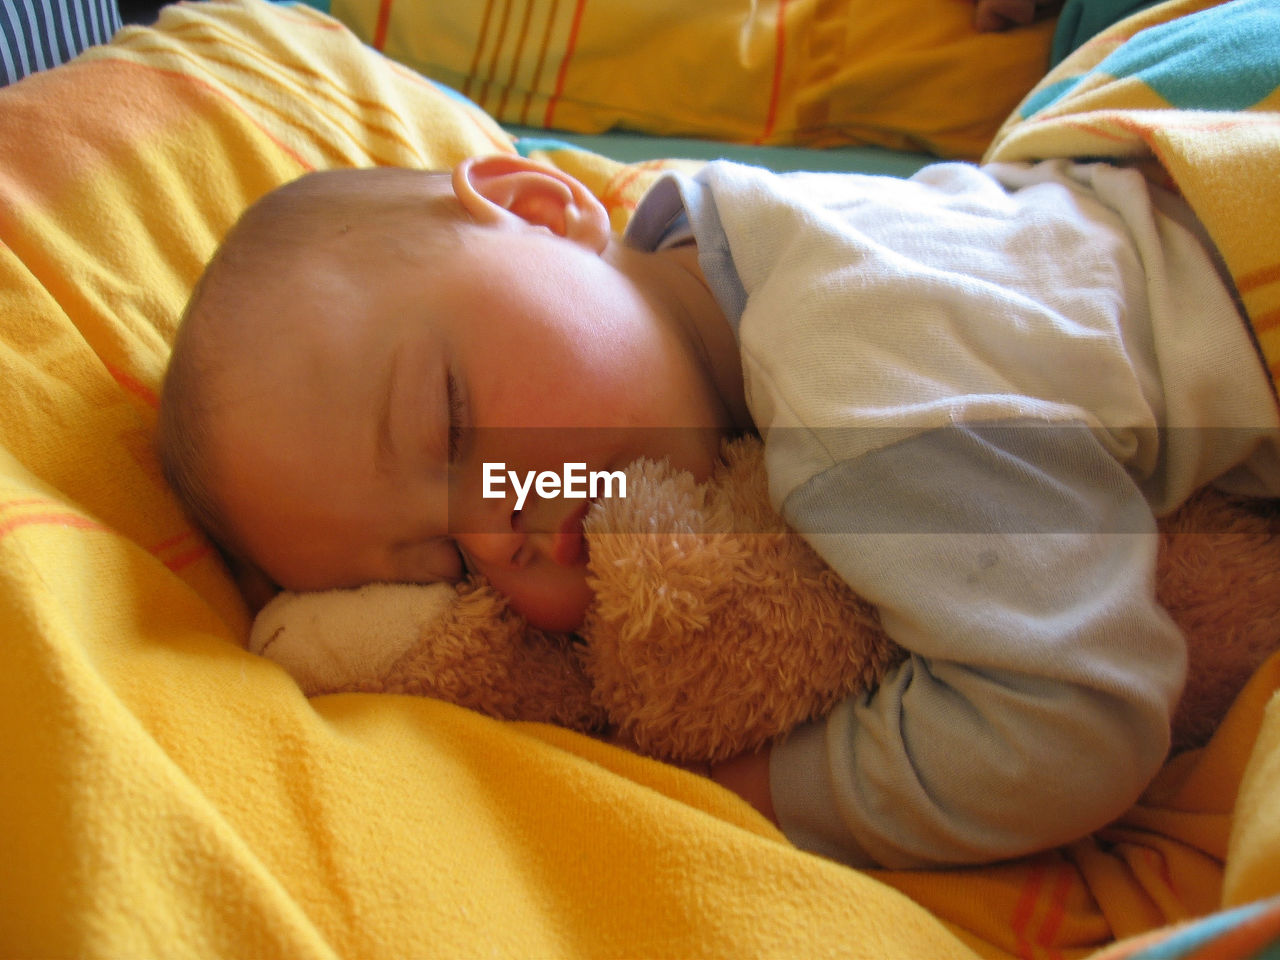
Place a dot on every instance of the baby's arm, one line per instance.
(1017, 566)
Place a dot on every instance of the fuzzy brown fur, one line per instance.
(715, 629)
(483, 656)
(1218, 575)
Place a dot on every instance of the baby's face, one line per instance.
(359, 429)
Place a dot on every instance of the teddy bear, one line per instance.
(715, 629)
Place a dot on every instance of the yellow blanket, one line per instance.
(1190, 89)
(164, 793)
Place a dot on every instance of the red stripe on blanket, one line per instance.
(221, 96)
(1024, 909)
(1266, 321)
(1258, 278)
(779, 60)
(611, 196)
(133, 385)
(173, 541)
(28, 502)
(326, 93)
(195, 548)
(563, 73)
(1057, 911)
(61, 519)
(184, 560)
(501, 144)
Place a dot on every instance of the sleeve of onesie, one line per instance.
(1016, 567)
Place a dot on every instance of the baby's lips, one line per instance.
(569, 545)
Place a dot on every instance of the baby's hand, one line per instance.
(993, 15)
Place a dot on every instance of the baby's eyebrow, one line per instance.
(385, 448)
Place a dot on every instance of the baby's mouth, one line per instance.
(569, 545)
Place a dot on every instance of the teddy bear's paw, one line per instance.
(345, 639)
(483, 656)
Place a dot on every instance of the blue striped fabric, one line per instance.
(38, 34)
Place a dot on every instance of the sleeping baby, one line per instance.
(977, 388)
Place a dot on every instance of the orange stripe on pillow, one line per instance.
(542, 60)
(563, 72)
(380, 28)
(481, 40)
(779, 60)
(521, 39)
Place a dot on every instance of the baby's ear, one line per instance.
(505, 190)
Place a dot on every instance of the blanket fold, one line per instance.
(165, 793)
(1190, 89)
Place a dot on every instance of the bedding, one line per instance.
(904, 75)
(166, 793)
(1191, 92)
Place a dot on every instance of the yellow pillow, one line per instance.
(904, 74)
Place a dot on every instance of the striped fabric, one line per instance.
(907, 76)
(1248, 932)
(38, 34)
(1191, 90)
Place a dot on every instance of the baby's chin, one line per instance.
(558, 608)
(556, 622)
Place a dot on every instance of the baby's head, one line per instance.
(367, 345)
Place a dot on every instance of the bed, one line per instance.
(165, 793)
